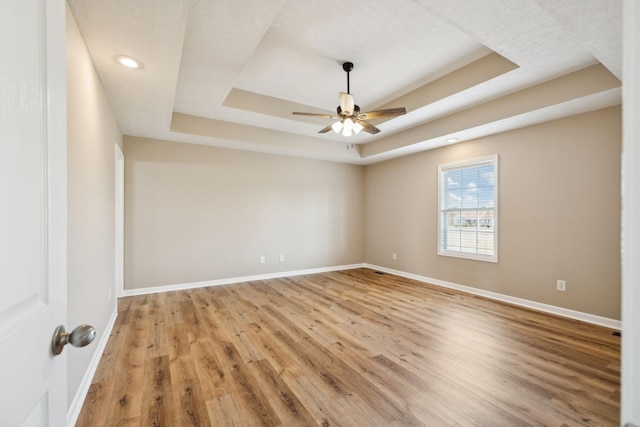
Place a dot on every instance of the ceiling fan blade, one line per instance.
(326, 129)
(367, 127)
(324, 116)
(378, 114)
(346, 103)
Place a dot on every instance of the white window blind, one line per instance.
(468, 203)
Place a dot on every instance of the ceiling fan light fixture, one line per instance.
(357, 127)
(347, 127)
(350, 120)
(347, 124)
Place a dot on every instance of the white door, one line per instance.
(119, 285)
(32, 211)
(630, 214)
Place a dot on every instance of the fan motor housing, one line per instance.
(356, 110)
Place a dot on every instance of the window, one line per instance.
(468, 203)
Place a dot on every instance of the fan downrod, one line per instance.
(348, 66)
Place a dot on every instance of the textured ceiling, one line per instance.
(230, 72)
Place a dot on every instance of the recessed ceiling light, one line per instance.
(129, 62)
(452, 140)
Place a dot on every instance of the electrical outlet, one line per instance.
(281, 258)
(262, 259)
(561, 285)
(394, 256)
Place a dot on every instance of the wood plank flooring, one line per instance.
(351, 348)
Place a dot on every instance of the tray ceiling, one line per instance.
(229, 73)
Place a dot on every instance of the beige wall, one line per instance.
(92, 135)
(559, 214)
(197, 213)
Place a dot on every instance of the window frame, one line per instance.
(461, 165)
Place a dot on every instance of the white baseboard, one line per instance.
(78, 400)
(564, 312)
(218, 282)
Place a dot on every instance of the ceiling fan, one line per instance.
(349, 119)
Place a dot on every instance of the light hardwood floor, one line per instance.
(351, 348)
